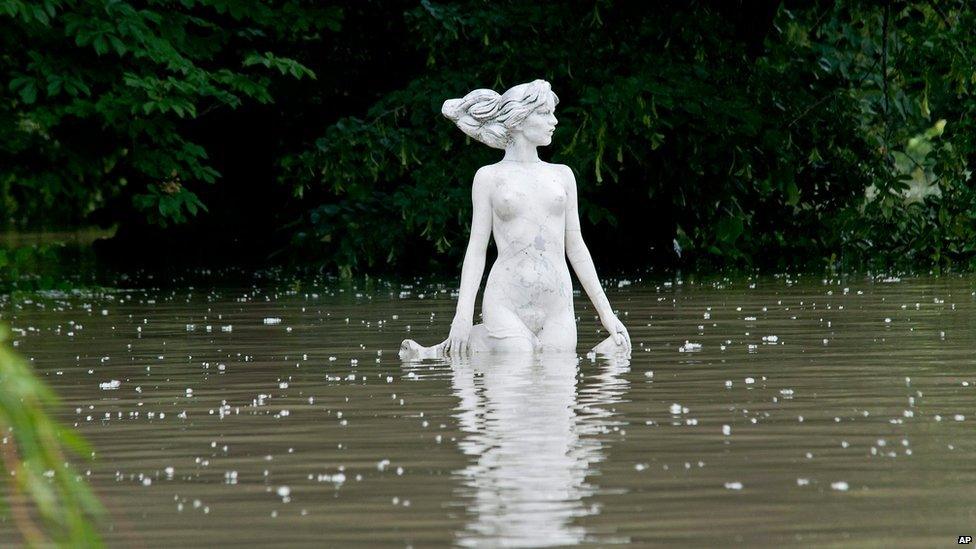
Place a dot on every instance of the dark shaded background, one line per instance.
(745, 132)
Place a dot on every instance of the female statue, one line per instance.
(529, 207)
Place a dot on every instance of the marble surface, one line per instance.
(529, 207)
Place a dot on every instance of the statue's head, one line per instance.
(526, 110)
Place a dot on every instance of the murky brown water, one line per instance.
(852, 426)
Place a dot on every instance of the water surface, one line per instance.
(769, 412)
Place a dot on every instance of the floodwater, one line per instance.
(773, 411)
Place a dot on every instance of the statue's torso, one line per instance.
(530, 275)
(529, 211)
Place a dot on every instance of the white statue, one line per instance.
(529, 207)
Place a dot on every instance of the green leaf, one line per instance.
(28, 92)
(54, 86)
(118, 45)
(40, 15)
(728, 229)
(792, 193)
(100, 44)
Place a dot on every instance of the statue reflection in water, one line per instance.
(532, 429)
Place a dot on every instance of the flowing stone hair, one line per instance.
(490, 118)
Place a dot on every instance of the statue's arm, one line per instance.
(474, 257)
(579, 255)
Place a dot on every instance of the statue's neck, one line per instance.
(521, 151)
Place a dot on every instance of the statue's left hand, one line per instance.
(457, 341)
(617, 330)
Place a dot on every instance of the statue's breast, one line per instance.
(554, 198)
(509, 201)
(539, 198)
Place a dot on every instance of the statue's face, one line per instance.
(537, 128)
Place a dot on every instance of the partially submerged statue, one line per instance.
(529, 207)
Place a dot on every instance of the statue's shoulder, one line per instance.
(561, 168)
(493, 173)
(486, 176)
(564, 172)
(489, 170)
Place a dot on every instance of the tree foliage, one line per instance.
(743, 133)
(99, 97)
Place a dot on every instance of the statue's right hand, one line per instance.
(457, 341)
